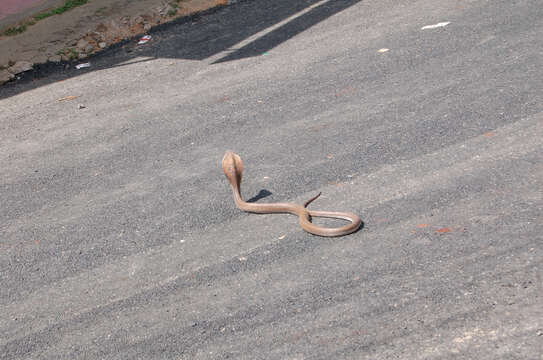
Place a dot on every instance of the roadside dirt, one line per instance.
(87, 29)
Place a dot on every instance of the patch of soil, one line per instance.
(87, 29)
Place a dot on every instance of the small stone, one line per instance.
(55, 58)
(89, 48)
(20, 67)
(113, 26)
(165, 9)
(147, 27)
(5, 76)
(101, 28)
(82, 44)
(138, 20)
(40, 59)
(102, 45)
(81, 106)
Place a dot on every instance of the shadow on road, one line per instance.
(261, 195)
(245, 29)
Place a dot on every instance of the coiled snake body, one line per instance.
(233, 169)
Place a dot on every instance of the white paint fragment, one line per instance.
(82, 66)
(383, 50)
(435, 26)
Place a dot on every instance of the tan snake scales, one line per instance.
(233, 169)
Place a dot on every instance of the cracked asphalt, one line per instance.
(119, 238)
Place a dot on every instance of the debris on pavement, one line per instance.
(435, 26)
(144, 39)
(71, 97)
(426, 229)
(383, 50)
(81, 106)
(82, 66)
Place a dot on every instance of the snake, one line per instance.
(232, 167)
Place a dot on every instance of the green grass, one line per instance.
(71, 53)
(69, 4)
(15, 30)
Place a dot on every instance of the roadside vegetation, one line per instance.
(68, 4)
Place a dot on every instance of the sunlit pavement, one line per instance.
(120, 238)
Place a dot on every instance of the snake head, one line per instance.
(233, 168)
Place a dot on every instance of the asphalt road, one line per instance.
(119, 238)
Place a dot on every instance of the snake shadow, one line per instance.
(261, 195)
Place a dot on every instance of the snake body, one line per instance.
(232, 167)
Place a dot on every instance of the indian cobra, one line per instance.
(233, 169)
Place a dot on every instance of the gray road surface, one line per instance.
(119, 238)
